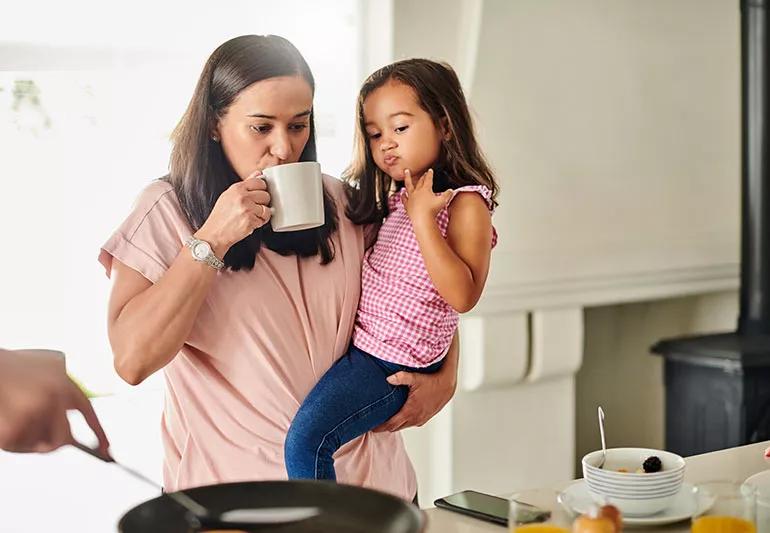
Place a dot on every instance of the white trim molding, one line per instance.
(610, 289)
(469, 31)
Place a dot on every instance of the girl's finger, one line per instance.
(427, 179)
(408, 180)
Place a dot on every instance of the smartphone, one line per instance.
(490, 508)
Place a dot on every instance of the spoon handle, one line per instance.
(601, 429)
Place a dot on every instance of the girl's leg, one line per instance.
(352, 398)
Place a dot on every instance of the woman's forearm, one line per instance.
(151, 327)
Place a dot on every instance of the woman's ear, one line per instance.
(445, 132)
(215, 135)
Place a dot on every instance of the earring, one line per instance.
(215, 138)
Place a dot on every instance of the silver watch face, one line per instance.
(201, 250)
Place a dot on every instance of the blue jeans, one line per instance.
(352, 398)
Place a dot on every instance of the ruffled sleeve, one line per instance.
(485, 193)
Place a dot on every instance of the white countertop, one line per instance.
(734, 464)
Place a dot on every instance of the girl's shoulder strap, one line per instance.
(485, 193)
(483, 190)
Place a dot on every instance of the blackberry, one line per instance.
(652, 464)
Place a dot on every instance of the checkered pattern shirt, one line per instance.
(401, 316)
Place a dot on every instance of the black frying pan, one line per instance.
(344, 508)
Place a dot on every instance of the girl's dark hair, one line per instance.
(199, 170)
(460, 162)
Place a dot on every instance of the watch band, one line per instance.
(210, 259)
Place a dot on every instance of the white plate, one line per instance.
(577, 499)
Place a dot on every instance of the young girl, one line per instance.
(416, 152)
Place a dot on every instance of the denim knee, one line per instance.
(296, 441)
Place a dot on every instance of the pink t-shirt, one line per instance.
(261, 341)
(401, 317)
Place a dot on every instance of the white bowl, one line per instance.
(634, 494)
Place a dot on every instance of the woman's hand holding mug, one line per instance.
(238, 211)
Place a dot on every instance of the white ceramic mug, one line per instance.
(296, 195)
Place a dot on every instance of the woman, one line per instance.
(246, 320)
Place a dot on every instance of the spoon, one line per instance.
(601, 432)
(199, 516)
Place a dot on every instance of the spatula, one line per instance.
(200, 516)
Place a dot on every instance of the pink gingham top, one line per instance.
(401, 316)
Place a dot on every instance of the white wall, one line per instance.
(613, 126)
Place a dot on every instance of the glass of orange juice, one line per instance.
(763, 509)
(723, 507)
(537, 511)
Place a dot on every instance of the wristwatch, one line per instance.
(201, 251)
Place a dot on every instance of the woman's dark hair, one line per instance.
(460, 161)
(199, 170)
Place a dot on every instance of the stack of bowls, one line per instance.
(635, 494)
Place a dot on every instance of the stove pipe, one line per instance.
(754, 318)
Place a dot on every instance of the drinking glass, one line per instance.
(723, 507)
